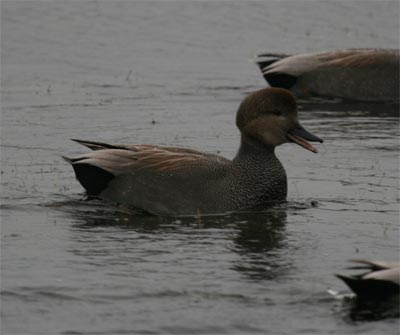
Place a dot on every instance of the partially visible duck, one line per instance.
(381, 281)
(172, 180)
(357, 74)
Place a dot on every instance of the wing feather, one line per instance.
(296, 65)
(121, 159)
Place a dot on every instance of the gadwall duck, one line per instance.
(357, 74)
(173, 181)
(381, 281)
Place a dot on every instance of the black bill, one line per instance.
(300, 136)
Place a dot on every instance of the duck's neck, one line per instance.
(252, 150)
(256, 167)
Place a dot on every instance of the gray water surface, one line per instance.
(174, 73)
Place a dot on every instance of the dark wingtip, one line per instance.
(278, 55)
(77, 140)
(93, 145)
(265, 60)
(67, 159)
(262, 64)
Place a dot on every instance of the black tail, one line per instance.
(93, 179)
(282, 80)
(371, 289)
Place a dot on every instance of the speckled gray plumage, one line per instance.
(215, 185)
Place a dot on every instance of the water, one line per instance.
(174, 73)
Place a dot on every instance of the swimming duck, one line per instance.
(166, 180)
(381, 281)
(357, 74)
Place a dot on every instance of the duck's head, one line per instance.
(269, 116)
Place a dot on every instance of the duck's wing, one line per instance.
(358, 58)
(275, 72)
(281, 70)
(390, 275)
(94, 170)
(374, 265)
(267, 59)
(94, 145)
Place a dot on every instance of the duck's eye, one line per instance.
(277, 112)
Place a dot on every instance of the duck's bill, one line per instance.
(301, 136)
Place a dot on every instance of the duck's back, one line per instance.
(359, 74)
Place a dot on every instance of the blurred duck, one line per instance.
(172, 180)
(381, 281)
(356, 74)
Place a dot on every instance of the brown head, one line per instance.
(269, 116)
